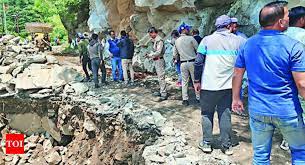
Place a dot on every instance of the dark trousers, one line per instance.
(96, 65)
(103, 70)
(86, 63)
(219, 101)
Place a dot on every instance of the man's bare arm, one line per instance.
(299, 78)
(237, 104)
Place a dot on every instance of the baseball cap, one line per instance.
(222, 21)
(234, 20)
(184, 26)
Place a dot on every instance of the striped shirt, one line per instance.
(220, 51)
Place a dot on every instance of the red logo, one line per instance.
(14, 144)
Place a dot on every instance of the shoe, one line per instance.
(198, 101)
(96, 86)
(227, 150)
(162, 98)
(157, 94)
(105, 82)
(185, 102)
(125, 85)
(205, 147)
(284, 145)
(86, 79)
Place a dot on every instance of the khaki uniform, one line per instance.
(157, 56)
(185, 49)
(127, 65)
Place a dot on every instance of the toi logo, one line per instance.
(14, 144)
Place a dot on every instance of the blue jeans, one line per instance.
(178, 70)
(117, 64)
(293, 130)
(95, 63)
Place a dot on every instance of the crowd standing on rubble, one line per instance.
(273, 59)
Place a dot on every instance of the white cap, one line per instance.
(234, 20)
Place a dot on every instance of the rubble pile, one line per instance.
(66, 121)
(23, 68)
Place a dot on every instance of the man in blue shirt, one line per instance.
(114, 52)
(275, 65)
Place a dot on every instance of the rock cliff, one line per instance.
(136, 16)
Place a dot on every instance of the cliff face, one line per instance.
(137, 16)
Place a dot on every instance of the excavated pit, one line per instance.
(77, 134)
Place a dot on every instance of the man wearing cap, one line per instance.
(235, 28)
(157, 56)
(216, 55)
(185, 49)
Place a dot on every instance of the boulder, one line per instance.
(47, 145)
(53, 157)
(16, 49)
(44, 91)
(40, 96)
(51, 59)
(21, 57)
(68, 89)
(89, 125)
(2, 87)
(5, 78)
(4, 69)
(31, 51)
(37, 59)
(15, 40)
(8, 60)
(12, 66)
(37, 78)
(17, 70)
(7, 38)
(79, 88)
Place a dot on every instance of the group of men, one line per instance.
(275, 66)
(120, 50)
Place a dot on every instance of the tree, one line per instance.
(20, 12)
(72, 14)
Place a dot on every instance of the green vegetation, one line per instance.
(26, 11)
